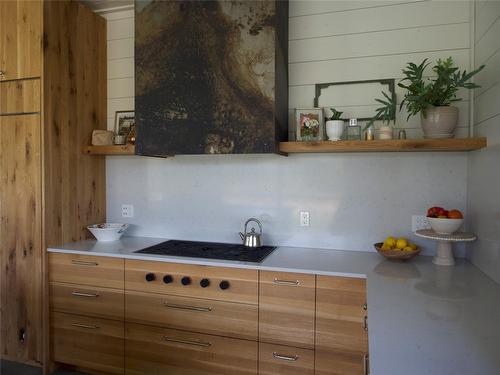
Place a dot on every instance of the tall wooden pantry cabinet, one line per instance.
(52, 95)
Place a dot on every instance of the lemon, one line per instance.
(408, 248)
(413, 246)
(390, 241)
(386, 247)
(401, 243)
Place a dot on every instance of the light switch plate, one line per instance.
(419, 222)
(127, 210)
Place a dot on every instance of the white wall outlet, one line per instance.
(127, 210)
(304, 219)
(419, 222)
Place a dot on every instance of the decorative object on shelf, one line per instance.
(369, 134)
(402, 134)
(385, 132)
(124, 122)
(386, 114)
(107, 232)
(432, 97)
(334, 126)
(102, 138)
(119, 139)
(353, 130)
(309, 124)
(131, 135)
(444, 249)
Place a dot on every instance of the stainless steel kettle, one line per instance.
(252, 238)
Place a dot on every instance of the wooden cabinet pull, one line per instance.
(187, 342)
(186, 307)
(84, 263)
(86, 326)
(286, 282)
(88, 295)
(285, 357)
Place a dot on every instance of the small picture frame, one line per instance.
(309, 124)
(124, 122)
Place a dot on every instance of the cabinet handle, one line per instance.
(186, 307)
(286, 282)
(84, 263)
(2, 73)
(365, 306)
(80, 294)
(285, 357)
(86, 326)
(365, 323)
(366, 367)
(187, 342)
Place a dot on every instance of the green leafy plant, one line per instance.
(335, 115)
(442, 90)
(387, 112)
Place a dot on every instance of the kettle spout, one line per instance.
(242, 236)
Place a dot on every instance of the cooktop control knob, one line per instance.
(204, 283)
(186, 280)
(224, 285)
(167, 279)
(150, 277)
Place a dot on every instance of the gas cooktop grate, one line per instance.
(210, 250)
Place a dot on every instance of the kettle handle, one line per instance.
(254, 220)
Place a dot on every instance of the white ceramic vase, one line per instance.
(334, 129)
(440, 122)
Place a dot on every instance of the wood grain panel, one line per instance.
(86, 270)
(21, 96)
(93, 301)
(341, 338)
(286, 308)
(20, 39)
(20, 238)
(89, 343)
(285, 360)
(243, 283)
(74, 104)
(193, 314)
(152, 350)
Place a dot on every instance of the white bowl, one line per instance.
(107, 232)
(445, 226)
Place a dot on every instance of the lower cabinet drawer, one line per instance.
(84, 300)
(88, 343)
(193, 314)
(152, 350)
(340, 363)
(285, 360)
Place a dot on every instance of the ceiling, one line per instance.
(102, 5)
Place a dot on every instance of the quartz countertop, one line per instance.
(422, 318)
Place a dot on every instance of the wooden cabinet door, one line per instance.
(20, 238)
(20, 97)
(341, 332)
(285, 360)
(286, 308)
(20, 39)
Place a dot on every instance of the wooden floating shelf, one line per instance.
(110, 150)
(392, 145)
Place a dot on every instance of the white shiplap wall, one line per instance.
(355, 199)
(484, 170)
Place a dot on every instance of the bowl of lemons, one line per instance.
(399, 248)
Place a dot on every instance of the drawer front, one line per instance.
(91, 301)
(287, 308)
(152, 350)
(88, 343)
(340, 363)
(285, 360)
(86, 270)
(193, 314)
(242, 284)
(341, 315)
(20, 96)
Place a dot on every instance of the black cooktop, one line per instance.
(211, 250)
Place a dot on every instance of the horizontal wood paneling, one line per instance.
(488, 44)
(121, 28)
(121, 88)
(117, 15)
(490, 75)
(121, 68)
(120, 104)
(487, 104)
(376, 19)
(120, 48)
(487, 13)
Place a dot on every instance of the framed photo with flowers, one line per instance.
(309, 122)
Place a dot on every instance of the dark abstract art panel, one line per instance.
(210, 76)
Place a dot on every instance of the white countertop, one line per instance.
(423, 319)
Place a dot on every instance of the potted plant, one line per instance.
(386, 114)
(432, 97)
(334, 126)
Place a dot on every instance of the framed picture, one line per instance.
(309, 122)
(124, 122)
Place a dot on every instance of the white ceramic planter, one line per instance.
(334, 129)
(440, 122)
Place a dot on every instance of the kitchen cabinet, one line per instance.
(49, 191)
(211, 77)
(341, 326)
(20, 39)
(285, 360)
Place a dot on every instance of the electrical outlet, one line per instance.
(127, 210)
(304, 219)
(419, 222)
